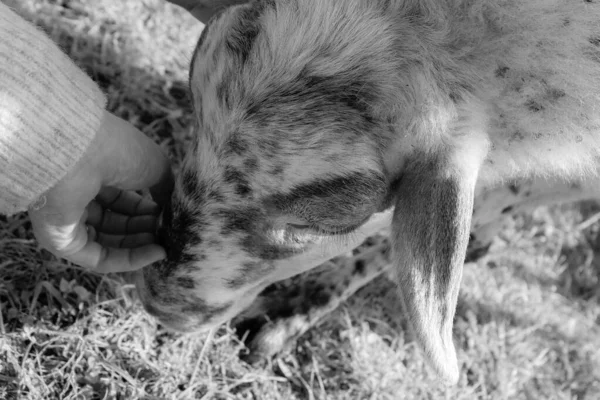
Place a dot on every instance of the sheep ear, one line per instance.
(430, 233)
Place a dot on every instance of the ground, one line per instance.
(528, 318)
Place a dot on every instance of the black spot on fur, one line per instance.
(223, 95)
(348, 99)
(359, 267)
(191, 186)
(554, 94)
(595, 40)
(514, 189)
(278, 170)
(185, 282)
(236, 144)
(239, 220)
(216, 196)
(518, 136)
(501, 72)
(506, 210)
(238, 178)
(316, 295)
(241, 39)
(533, 105)
(233, 175)
(243, 190)
(179, 230)
(251, 164)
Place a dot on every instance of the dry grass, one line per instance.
(527, 323)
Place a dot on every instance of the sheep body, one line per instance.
(316, 116)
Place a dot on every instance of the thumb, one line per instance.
(137, 162)
(61, 234)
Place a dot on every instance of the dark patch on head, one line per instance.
(501, 72)
(250, 272)
(180, 229)
(185, 282)
(506, 210)
(533, 105)
(251, 164)
(277, 170)
(238, 178)
(346, 99)
(566, 21)
(191, 186)
(455, 97)
(514, 189)
(339, 201)
(241, 38)
(595, 40)
(216, 195)
(236, 144)
(359, 267)
(223, 95)
(234, 175)
(243, 219)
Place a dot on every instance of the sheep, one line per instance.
(320, 122)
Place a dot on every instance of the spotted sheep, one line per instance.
(320, 122)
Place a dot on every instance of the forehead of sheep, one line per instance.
(287, 155)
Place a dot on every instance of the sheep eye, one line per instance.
(300, 226)
(318, 229)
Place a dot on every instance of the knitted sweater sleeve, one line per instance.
(50, 111)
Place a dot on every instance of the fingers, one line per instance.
(126, 202)
(109, 259)
(126, 242)
(122, 220)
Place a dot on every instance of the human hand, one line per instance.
(92, 217)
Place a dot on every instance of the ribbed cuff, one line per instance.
(50, 111)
